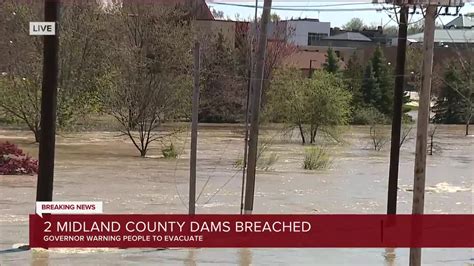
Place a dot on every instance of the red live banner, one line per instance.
(271, 231)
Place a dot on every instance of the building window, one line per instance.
(314, 38)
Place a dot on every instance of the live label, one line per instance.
(42, 28)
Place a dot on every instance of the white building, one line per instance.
(301, 32)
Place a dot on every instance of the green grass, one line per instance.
(170, 152)
(316, 158)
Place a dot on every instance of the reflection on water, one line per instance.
(100, 166)
(245, 257)
(191, 258)
(389, 256)
(39, 257)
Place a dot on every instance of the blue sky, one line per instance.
(337, 18)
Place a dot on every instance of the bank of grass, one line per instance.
(316, 158)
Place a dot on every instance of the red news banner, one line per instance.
(277, 231)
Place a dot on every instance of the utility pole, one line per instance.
(194, 129)
(397, 111)
(247, 109)
(44, 189)
(422, 124)
(256, 97)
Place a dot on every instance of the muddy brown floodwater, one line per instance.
(104, 167)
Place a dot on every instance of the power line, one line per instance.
(299, 8)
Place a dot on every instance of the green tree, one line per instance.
(355, 24)
(332, 62)
(413, 68)
(454, 104)
(383, 73)
(377, 88)
(311, 105)
(353, 77)
(81, 62)
(371, 93)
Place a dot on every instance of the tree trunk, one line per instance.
(37, 135)
(314, 132)
(468, 121)
(143, 153)
(431, 144)
(302, 134)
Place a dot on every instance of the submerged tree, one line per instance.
(454, 105)
(377, 87)
(311, 105)
(148, 81)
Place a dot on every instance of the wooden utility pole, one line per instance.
(422, 124)
(194, 129)
(256, 97)
(44, 189)
(247, 109)
(397, 111)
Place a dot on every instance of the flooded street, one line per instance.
(102, 166)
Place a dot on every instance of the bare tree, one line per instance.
(378, 137)
(431, 134)
(148, 81)
(279, 47)
(406, 130)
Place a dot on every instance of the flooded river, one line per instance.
(103, 166)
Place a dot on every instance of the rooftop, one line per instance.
(461, 22)
(349, 36)
(447, 36)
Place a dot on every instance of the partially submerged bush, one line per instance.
(265, 159)
(170, 152)
(316, 158)
(378, 137)
(14, 162)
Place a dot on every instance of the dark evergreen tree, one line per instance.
(332, 62)
(383, 75)
(353, 77)
(454, 104)
(371, 93)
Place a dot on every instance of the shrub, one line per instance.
(316, 158)
(265, 159)
(378, 137)
(368, 116)
(14, 162)
(170, 152)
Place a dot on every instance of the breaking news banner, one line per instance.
(270, 231)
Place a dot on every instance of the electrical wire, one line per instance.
(298, 9)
